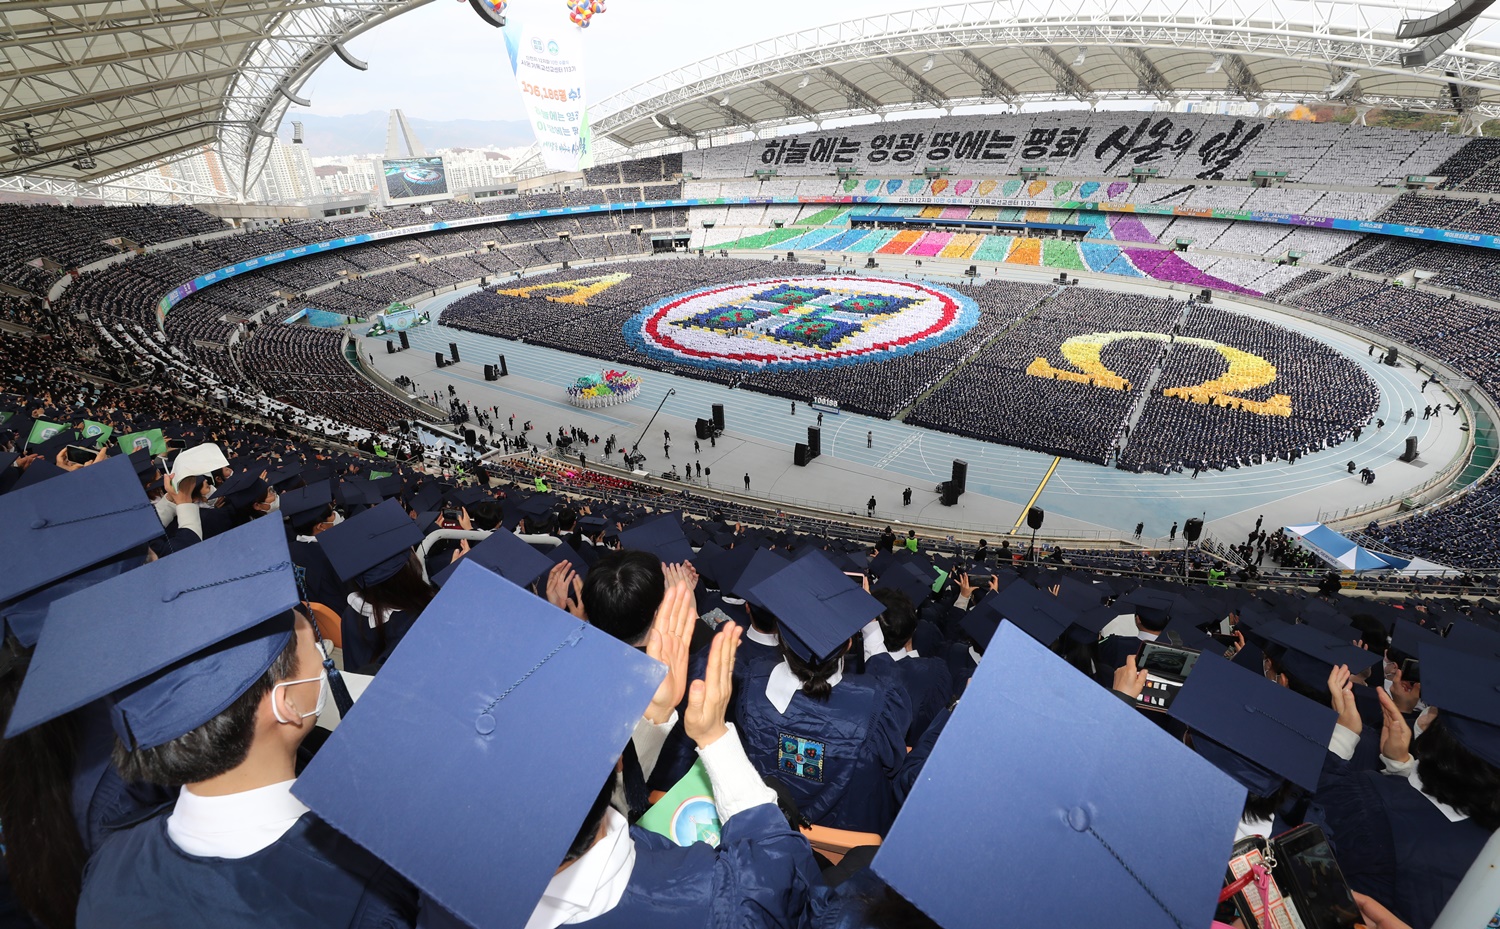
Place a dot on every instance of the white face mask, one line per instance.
(322, 680)
(337, 518)
(275, 505)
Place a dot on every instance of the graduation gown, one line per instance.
(762, 875)
(361, 644)
(961, 666)
(859, 741)
(311, 877)
(315, 576)
(1394, 845)
(928, 684)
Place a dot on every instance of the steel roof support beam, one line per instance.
(794, 106)
(993, 84)
(920, 88)
(1068, 81)
(1241, 79)
(857, 98)
(1149, 80)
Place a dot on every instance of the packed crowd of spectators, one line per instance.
(1327, 396)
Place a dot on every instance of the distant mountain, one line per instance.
(364, 133)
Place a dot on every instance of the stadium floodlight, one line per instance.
(1079, 58)
(803, 83)
(1215, 66)
(927, 65)
(85, 162)
(724, 100)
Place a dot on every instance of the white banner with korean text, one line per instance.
(546, 54)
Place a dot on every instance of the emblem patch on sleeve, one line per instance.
(800, 757)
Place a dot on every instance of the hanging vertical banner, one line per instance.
(546, 53)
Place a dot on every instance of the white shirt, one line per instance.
(771, 639)
(235, 825)
(784, 684)
(1408, 770)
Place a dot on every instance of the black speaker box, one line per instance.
(960, 475)
(405, 342)
(470, 438)
(1411, 449)
(489, 373)
(799, 455)
(947, 496)
(1034, 517)
(503, 369)
(701, 428)
(453, 351)
(1192, 529)
(390, 348)
(718, 416)
(1392, 356)
(441, 361)
(814, 441)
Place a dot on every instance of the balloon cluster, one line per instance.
(581, 11)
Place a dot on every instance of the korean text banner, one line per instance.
(546, 53)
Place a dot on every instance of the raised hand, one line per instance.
(667, 642)
(1395, 734)
(708, 699)
(1128, 680)
(1342, 699)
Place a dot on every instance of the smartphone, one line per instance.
(1166, 661)
(980, 580)
(1271, 913)
(1411, 671)
(450, 518)
(79, 455)
(1166, 667)
(1312, 879)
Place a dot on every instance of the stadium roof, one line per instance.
(94, 88)
(966, 54)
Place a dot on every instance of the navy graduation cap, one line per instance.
(1311, 654)
(1466, 690)
(1253, 717)
(1408, 638)
(910, 579)
(463, 809)
(54, 529)
(504, 554)
(662, 536)
(302, 503)
(373, 546)
(818, 608)
(1070, 807)
(171, 643)
(565, 552)
(1040, 615)
(762, 563)
(1475, 639)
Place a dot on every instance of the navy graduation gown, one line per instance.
(844, 906)
(1394, 845)
(961, 666)
(928, 685)
(361, 644)
(762, 875)
(316, 579)
(837, 759)
(101, 798)
(311, 877)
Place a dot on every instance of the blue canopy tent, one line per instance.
(1340, 551)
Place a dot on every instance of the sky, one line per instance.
(441, 61)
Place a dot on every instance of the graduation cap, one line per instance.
(908, 578)
(387, 487)
(284, 476)
(306, 506)
(243, 489)
(1408, 638)
(25, 616)
(200, 459)
(1467, 689)
(143, 462)
(54, 529)
(536, 508)
(504, 554)
(373, 546)
(662, 536)
(591, 525)
(1071, 805)
(43, 469)
(1311, 654)
(564, 552)
(1475, 639)
(444, 716)
(760, 564)
(817, 607)
(428, 497)
(171, 643)
(1266, 727)
(1039, 614)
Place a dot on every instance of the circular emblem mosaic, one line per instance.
(797, 323)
